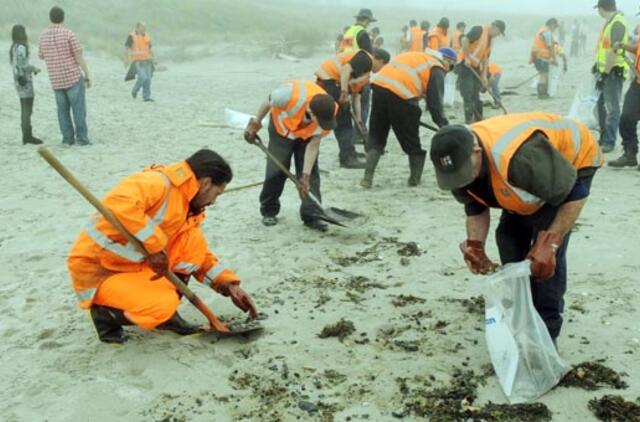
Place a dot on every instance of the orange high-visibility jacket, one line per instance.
(501, 137)
(153, 206)
(140, 48)
(407, 75)
(289, 122)
(480, 49)
(437, 38)
(417, 39)
(539, 48)
(331, 68)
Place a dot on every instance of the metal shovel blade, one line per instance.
(332, 215)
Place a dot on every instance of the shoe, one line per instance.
(108, 322)
(625, 160)
(416, 166)
(178, 325)
(373, 156)
(607, 148)
(149, 100)
(83, 144)
(352, 162)
(269, 221)
(317, 225)
(33, 140)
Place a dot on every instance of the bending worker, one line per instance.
(537, 168)
(344, 77)
(437, 37)
(397, 90)
(164, 208)
(302, 113)
(543, 55)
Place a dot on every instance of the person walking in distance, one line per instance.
(138, 53)
(69, 75)
(23, 80)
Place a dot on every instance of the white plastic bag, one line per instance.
(449, 99)
(524, 357)
(238, 120)
(585, 104)
(554, 81)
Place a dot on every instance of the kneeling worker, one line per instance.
(164, 208)
(537, 168)
(302, 113)
(347, 75)
(397, 90)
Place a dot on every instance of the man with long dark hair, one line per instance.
(22, 76)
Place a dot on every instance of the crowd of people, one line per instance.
(536, 166)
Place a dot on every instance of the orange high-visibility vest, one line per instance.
(140, 48)
(437, 38)
(331, 68)
(153, 206)
(502, 136)
(480, 49)
(407, 75)
(417, 39)
(289, 122)
(539, 49)
(638, 64)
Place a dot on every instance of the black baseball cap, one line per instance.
(324, 108)
(451, 150)
(500, 25)
(606, 4)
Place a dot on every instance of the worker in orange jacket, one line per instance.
(138, 53)
(163, 207)
(415, 37)
(455, 40)
(397, 90)
(302, 113)
(536, 167)
(543, 55)
(437, 37)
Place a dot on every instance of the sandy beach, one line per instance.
(412, 324)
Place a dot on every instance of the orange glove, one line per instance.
(240, 298)
(252, 129)
(543, 255)
(476, 258)
(159, 263)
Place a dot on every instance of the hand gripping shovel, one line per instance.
(331, 215)
(215, 325)
(363, 134)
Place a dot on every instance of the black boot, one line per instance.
(28, 138)
(627, 159)
(352, 162)
(108, 322)
(373, 156)
(179, 326)
(416, 166)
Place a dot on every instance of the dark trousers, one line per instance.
(344, 132)
(609, 108)
(629, 119)
(515, 236)
(470, 87)
(26, 110)
(283, 149)
(388, 111)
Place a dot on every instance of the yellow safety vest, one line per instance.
(350, 38)
(604, 44)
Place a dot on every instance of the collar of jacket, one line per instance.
(182, 177)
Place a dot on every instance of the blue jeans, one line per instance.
(143, 80)
(495, 88)
(68, 101)
(609, 108)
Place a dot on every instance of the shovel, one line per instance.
(428, 126)
(360, 129)
(504, 110)
(331, 215)
(215, 325)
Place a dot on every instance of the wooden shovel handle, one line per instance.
(113, 220)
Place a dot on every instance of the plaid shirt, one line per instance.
(60, 48)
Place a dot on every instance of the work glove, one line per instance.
(543, 255)
(252, 129)
(239, 297)
(344, 99)
(159, 263)
(304, 185)
(476, 258)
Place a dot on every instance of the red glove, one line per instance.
(543, 255)
(240, 298)
(475, 257)
(252, 129)
(159, 263)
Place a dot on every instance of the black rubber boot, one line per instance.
(625, 160)
(179, 326)
(416, 166)
(108, 322)
(373, 156)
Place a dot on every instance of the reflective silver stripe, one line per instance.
(146, 231)
(411, 72)
(86, 294)
(526, 196)
(125, 251)
(187, 267)
(401, 88)
(213, 273)
(357, 81)
(514, 132)
(302, 98)
(596, 160)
